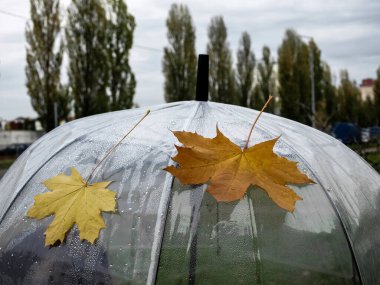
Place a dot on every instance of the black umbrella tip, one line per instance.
(201, 93)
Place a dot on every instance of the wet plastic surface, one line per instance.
(165, 232)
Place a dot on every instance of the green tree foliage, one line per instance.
(294, 77)
(376, 91)
(98, 44)
(318, 70)
(245, 70)
(349, 99)
(121, 80)
(288, 76)
(303, 83)
(329, 92)
(326, 107)
(265, 82)
(44, 58)
(179, 62)
(367, 113)
(88, 66)
(222, 83)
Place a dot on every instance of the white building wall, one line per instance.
(15, 136)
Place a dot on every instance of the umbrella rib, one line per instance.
(30, 178)
(163, 208)
(335, 208)
(20, 188)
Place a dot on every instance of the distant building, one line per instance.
(3, 123)
(366, 88)
(18, 137)
(19, 131)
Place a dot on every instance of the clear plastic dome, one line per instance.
(166, 233)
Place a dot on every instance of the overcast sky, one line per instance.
(347, 32)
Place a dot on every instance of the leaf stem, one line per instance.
(254, 124)
(115, 146)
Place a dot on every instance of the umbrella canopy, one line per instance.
(168, 233)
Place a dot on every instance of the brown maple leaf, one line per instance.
(230, 170)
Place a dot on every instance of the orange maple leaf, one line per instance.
(231, 170)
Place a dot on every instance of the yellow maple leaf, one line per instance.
(73, 201)
(231, 170)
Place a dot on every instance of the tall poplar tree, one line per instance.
(121, 80)
(245, 67)
(326, 106)
(376, 91)
(318, 70)
(349, 99)
(294, 77)
(265, 82)
(44, 58)
(319, 99)
(88, 67)
(303, 83)
(179, 63)
(222, 83)
(368, 113)
(288, 77)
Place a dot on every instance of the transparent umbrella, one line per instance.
(167, 233)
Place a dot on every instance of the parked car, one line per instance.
(14, 149)
(346, 133)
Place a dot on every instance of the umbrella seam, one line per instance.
(54, 154)
(20, 188)
(32, 175)
(335, 207)
(160, 228)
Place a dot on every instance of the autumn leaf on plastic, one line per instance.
(73, 201)
(230, 170)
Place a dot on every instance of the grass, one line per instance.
(224, 254)
(374, 160)
(229, 269)
(359, 147)
(6, 163)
